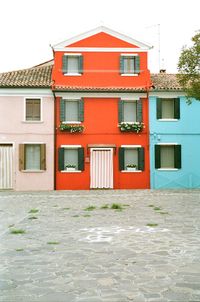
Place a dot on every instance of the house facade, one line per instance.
(101, 83)
(174, 136)
(26, 130)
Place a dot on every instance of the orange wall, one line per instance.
(101, 120)
(101, 69)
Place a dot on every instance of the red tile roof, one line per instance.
(40, 77)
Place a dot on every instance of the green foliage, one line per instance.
(33, 211)
(131, 127)
(71, 128)
(116, 206)
(90, 208)
(17, 231)
(189, 69)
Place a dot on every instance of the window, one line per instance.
(168, 156)
(131, 156)
(72, 64)
(168, 108)
(32, 157)
(71, 157)
(129, 64)
(71, 110)
(130, 111)
(33, 110)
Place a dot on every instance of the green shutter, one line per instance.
(177, 108)
(159, 108)
(137, 64)
(139, 110)
(177, 156)
(121, 158)
(81, 159)
(80, 65)
(43, 156)
(141, 159)
(121, 64)
(65, 64)
(81, 110)
(120, 111)
(61, 159)
(62, 110)
(157, 157)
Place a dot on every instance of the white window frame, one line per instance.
(71, 147)
(129, 74)
(131, 147)
(73, 55)
(41, 110)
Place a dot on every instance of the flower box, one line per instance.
(131, 127)
(71, 169)
(131, 169)
(72, 128)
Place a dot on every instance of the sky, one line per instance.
(29, 27)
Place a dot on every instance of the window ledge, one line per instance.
(33, 171)
(32, 122)
(129, 74)
(136, 171)
(72, 74)
(168, 169)
(168, 119)
(76, 171)
(71, 122)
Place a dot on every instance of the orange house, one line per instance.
(101, 83)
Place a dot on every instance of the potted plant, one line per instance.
(72, 128)
(131, 167)
(131, 127)
(70, 167)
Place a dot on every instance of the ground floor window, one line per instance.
(71, 158)
(168, 156)
(32, 157)
(131, 158)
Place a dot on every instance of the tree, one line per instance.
(189, 69)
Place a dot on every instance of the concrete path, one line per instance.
(75, 248)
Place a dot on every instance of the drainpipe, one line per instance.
(55, 141)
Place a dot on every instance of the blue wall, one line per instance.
(185, 131)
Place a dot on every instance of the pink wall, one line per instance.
(13, 129)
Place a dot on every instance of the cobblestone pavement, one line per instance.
(147, 251)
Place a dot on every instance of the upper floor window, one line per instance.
(129, 64)
(168, 108)
(71, 110)
(130, 111)
(72, 64)
(33, 110)
(168, 156)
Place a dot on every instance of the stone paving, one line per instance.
(76, 248)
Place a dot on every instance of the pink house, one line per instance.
(26, 129)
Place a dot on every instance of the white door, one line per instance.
(6, 166)
(101, 168)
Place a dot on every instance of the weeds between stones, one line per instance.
(33, 217)
(19, 250)
(152, 224)
(116, 206)
(105, 206)
(90, 208)
(33, 211)
(53, 242)
(17, 231)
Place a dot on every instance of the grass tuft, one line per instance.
(105, 206)
(19, 250)
(87, 215)
(90, 208)
(32, 211)
(157, 209)
(53, 242)
(17, 231)
(116, 206)
(152, 224)
(33, 217)
(65, 209)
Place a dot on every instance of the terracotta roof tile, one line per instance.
(40, 76)
(32, 77)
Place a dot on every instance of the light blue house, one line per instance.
(174, 136)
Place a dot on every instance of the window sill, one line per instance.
(130, 74)
(33, 171)
(71, 122)
(65, 171)
(168, 169)
(168, 120)
(72, 74)
(32, 122)
(136, 171)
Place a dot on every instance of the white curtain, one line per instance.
(168, 109)
(167, 156)
(32, 154)
(129, 111)
(72, 66)
(128, 65)
(71, 157)
(131, 157)
(71, 111)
